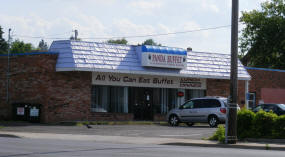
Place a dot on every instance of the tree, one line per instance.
(263, 38)
(122, 41)
(150, 42)
(43, 45)
(20, 47)
(3, 43)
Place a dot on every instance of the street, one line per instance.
(24, 147)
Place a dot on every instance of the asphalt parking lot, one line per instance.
(183, 132)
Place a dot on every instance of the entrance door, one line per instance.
(143, 104)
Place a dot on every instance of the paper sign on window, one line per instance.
(34, 112)
(20, 111)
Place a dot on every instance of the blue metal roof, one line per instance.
(104, 57)
(163, 49)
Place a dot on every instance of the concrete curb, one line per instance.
(238, 146)
(263, 140)
(143, 140)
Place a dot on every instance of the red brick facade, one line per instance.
(219, 87)
(265, 79)
(66, 96)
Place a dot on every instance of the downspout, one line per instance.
(8, 69)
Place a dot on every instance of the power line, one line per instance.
(162, 34)
(132, 36)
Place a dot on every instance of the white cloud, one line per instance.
(34, 25)
(145, 7)
(23, 26)
(146, 4)
(210, 6)
(127, 28)
(192, 25)
(205, 5)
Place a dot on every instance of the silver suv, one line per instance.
(211, 110)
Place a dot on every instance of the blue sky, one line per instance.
(55, 19)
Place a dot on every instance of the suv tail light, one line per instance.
(223, 110)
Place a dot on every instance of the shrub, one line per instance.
(255, 125)
(219, 134)
(245, 119)
(279, 127)
(264, 124)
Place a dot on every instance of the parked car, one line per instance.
(211, 110)
(278, 109)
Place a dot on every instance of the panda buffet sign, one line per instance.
(118, 79)
(163, 60)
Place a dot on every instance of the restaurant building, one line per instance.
(78, 80)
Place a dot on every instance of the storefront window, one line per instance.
(109, 99)
(172, 98)
(164, 100)
(194, 93)
(157, 103)
(161, 100)
(138, 100)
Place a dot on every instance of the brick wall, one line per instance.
(262, 79)
(221, 87)
(64, 95)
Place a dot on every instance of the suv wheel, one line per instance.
(213, 121)
(173, 120)
(189, 124)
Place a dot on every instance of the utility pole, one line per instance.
(8, 67)
(231, 127)
(75, 34)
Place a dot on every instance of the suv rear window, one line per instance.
(206, 103)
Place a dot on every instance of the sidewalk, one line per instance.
(142, 140)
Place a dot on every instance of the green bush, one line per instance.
(219, 134)
(245, 120)
(255, 125)
(279, 127)
(264, 124)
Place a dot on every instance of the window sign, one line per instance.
(147, 97)
(114, 79)
(34, 112)
(20, 111)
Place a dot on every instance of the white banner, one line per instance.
(117, 79)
